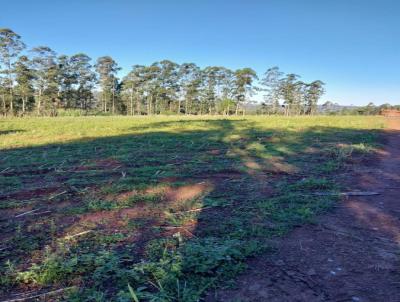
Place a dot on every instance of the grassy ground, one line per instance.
(171, 206)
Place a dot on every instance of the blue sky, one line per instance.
(352, 45)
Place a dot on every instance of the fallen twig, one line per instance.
(355, 193)
(178, 227)
(193, 210)
(26, 213)
(4, 170)
(40, 213)
(54, 196)
(50, 293)
(78, 234)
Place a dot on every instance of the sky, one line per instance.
(351, 45)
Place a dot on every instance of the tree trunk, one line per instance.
(132, 110)
(113, 102)
(138, 110)
(11, 88)
(11, 102)
(149, 105)
(237, 108)
(24, 99)
(179, 106)
(4, 103)
(39, 104)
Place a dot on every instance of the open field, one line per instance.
(172, 206)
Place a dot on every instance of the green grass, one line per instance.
(172, 206)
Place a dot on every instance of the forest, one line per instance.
(40, 82)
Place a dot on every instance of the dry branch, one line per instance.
(78, 234)
(26, 213)
(355, 193)
(50, 293)
(54, 196)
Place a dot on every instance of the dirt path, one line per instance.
(352, 254)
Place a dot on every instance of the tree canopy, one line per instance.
(42, 82)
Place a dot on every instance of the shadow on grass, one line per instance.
(5, 132)
(171, 212)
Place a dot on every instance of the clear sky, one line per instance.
(352, 45)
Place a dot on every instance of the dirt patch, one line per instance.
(214, 152)
(100, 164)
(29, 194)
(222, 174)
(168, 193)
(187, 192)
(351, 254)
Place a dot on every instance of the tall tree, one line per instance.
(213, 80)
(84, 80)
(10, 47)
(46, 81)
(313, 93)
(244, 79)
(168, 85)
(132, 87)
(24, 77)
(272, 82)
(151, 86)
(190, 82)
(107, 69)
(290, 93)
(66, 80)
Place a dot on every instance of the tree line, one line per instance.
(330, 108)
(40, 82)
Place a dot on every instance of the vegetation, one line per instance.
(330, 108)
(159, 209)
(43, 83)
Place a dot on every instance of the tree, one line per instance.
(151, 85)
(371, 109)
(313, 93)
(272, 82)
(243, 85)
(66, 80)
(107, 69)
(84, 80)
(46, 81)
(24, 77)
(3, 93)
(133, 88)
(216, 86)
(190, 82)
(10, 47)
(291, 90)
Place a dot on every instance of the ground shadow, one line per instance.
(177, 210)
(4, 132)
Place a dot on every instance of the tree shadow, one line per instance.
(5, 132)
(177, 208)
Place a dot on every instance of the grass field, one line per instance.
(172, 206)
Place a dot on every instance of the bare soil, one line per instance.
(350, 254)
